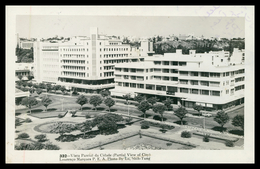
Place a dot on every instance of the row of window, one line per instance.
(173, 63)
(73, 61)
(74, 74)
(73, 55)
(74, 67)
(201, 92)
(74, 49)
(114, 55)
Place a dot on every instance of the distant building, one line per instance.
(24, 69)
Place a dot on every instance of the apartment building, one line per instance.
(213, 80)
(84, 63)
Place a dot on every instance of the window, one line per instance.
(204, 92)
(100, 68)
(99, 43)
(174, 63)
(182, 63)
(184, 73)
(215, 93)
(227, 91)
(214, 74)
(100, 74)
(140, 86)
(204, 83)
(150, 87)
(184, 90)
(204, 74)
(194, 74)
(221, 60)
(194, 91)
(194, 82)
(183, 81)
(133, 85)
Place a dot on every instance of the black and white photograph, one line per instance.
(129, 84)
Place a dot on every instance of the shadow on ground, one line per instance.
(157, 117)
(237, 132)
(218, 128)
(146, 115)
(179, 122)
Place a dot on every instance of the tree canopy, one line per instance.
(109, 102)
(95, 100)
(29, 102)
(181, 113)
(221, 118)
(159, 108)
(46, 101)
(238, 121)
(144, 106)
(81, 100)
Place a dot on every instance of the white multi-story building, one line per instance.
(210, 79)
(85, 63)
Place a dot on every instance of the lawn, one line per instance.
(144, 142)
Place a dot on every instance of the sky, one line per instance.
(45, 26)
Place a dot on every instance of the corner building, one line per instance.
(214, 80)
(85, 64)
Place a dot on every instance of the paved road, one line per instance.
(69, 103)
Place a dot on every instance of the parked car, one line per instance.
(206, 114)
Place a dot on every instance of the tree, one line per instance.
(168, 103)
(107, 123)
(24, 83)
(48, 87)
(20, 77)
(31, 90)
(42, 86)
(144, 106)
(152, 100)
(198, 108)
(109, 102)
(105, 93)
(29, 102)
(30, 77)
(85, 126)
(139, 98)
(56, 87)
(62, 89)
(221, 118)
(81, 100)
(29, 84)
(19, 83)
(159, 108)
(46, 101)
(38, 91)
(95, 100)
(238, 121)
(181, 113)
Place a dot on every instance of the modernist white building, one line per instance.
(210, 79)
(85, 63)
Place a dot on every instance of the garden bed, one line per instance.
(216, 138)
(45, 127)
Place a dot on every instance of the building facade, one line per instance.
(23, 69)
(213, 80)
(85, 64)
